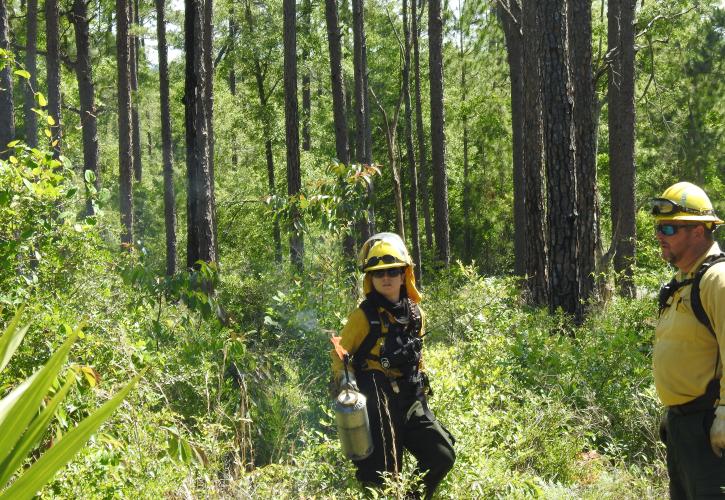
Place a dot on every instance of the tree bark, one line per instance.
(338, 84)
(306, 96)
(125, 138)
(201, 236)
(409, 148)
(209, 98)
(533, 145)
(620, 29)
(53, 69)
(31, 86)
(135, 123)
(559, 146)
(86, 92)
(438, 140)
(511, 20)
(467, 202)
(424, 175)
(7, 116)
(580, 36)
(166, 144)
(362, 110)
(294, 177)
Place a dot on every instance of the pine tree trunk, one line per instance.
(580, 35)
(362, 111)
(338, 84)
(53, 68)
(410, 150)
(620, 20)
(7, 116)
(292, 138)
(86, 93)
(511, 21)
(166, 144)
(533, 145)
(201, 236)
(438, 140)
(31, 66)
(135, 123)
(125, 139)
(559, 145)
(467, 202)
(306, 77)
(424, 175)
(209, 100)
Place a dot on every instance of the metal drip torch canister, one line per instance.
(353, 425)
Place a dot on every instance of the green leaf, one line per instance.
(41, 99)
(16, 414)
(11, 339)
(42, 471)
(22, 73)
(37, 428)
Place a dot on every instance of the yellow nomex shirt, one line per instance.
(685, 356)
(353, 334)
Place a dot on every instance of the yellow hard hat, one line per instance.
(684, 201)
(387, 251)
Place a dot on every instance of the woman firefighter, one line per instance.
(384, 336)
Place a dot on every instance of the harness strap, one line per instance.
(363, 352)
(695, 300)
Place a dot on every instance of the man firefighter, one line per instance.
(384, 336)
(689, 343)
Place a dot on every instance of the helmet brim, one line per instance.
(688, 217)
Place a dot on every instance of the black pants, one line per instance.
(398, 421)
(695, 471)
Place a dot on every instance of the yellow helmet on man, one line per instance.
(686, 202)
(387, 251)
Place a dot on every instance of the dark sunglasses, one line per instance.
(663, 206)
(385, 259)
(393, 273)
(670, 229)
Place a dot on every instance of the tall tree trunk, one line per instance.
(259, 75)
(511, 21)
(533, 145)
(135, 123)
(31, 86)
(362, 111)
(306, 97)
(559, 146)
(467, 230)
(201, 236)
(7, 116)
(209, 98)
(86, 94)
(409, 148)
(424, 175)
(620, 26)
(580, 36)
(292, 137)
(438, 140)
(53, 68)
(338, 103)
(233, 71)
(166, 144)
(125, 138)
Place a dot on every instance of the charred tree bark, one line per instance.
(86, 92)
(620, 29)
(166, 144)
(201, 234)
(424, 175)
(559, 146)
(580, 36)
(409, 148)
(31, 65)
(292, 138)
(53, 67)
(533, 146)
(125, 138)
(438, 140)
(7, 116)
(511, 21)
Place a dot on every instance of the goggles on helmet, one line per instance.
(385, 259)
(663, 206)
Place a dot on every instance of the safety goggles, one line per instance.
(393, 272)
(663, 206)
(670, 229)
(385, 259)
